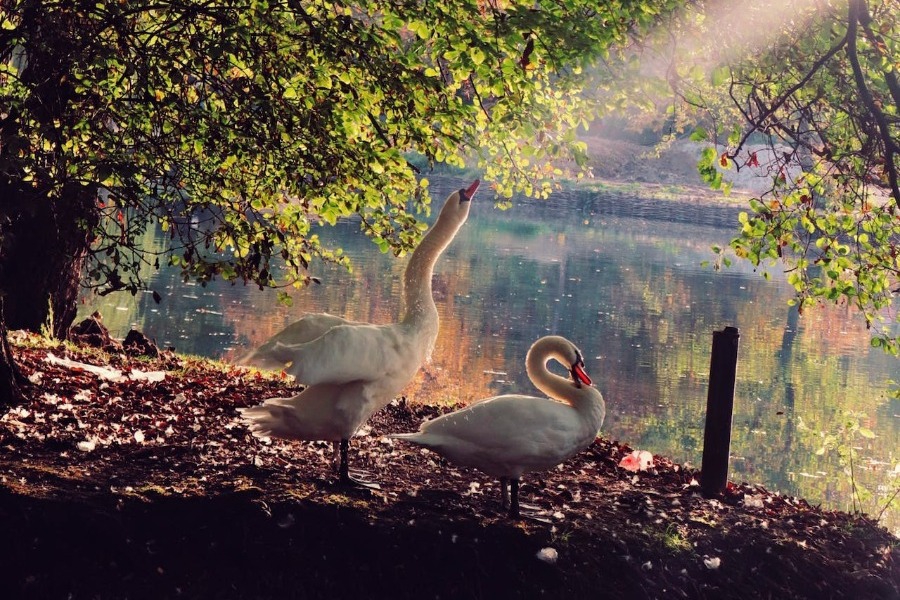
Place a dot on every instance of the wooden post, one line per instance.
(719, 409)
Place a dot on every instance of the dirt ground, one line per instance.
(142, 483)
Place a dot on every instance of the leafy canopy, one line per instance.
(807, 94)
(238, 125)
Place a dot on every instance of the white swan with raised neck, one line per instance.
(352, 369)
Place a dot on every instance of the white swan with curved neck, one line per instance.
(506, 436)
(353, 369)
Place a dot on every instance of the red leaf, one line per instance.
(753, 161)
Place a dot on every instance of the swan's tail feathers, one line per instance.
(414, 437)
(272, 418)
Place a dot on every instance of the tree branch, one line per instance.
(755, 124)
(856, 7)
(890, 77)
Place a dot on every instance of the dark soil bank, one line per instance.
(134, 488)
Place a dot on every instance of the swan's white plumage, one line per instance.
(353, 369)
(271, 355)
(506, 436)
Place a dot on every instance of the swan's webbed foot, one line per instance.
(532, 512)
(355, 481)
(517, 510)
(345, 478)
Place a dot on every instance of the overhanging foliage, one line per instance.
(238, 125)
(810, 97)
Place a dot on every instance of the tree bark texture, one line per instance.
(12, 382)
(43, 245)
(45, 224)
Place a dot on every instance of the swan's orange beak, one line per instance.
(466, 194)
(579, 375)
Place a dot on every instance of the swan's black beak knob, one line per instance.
(466, 194)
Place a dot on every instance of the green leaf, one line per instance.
(720, 75)
(866, 433)
(699, 135)
(285, 299)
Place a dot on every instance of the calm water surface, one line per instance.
(623, 280)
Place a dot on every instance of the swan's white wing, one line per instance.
(387, 354)
(504, 417)
(505, 435)
(270, 356)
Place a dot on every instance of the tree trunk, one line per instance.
(12, 382)
(44, 230)
(44, 244)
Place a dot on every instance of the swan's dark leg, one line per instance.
(504, 493)
(335, 452)
(531, 512)
(344, 470)
(514, 497)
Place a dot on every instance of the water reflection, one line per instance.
(623, 280)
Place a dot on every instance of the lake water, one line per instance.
(621, 278)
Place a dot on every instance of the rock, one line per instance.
(137, 344)
(93, 332)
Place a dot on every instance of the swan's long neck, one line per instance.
(418, 302)
(586, 399)
(558, 388)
